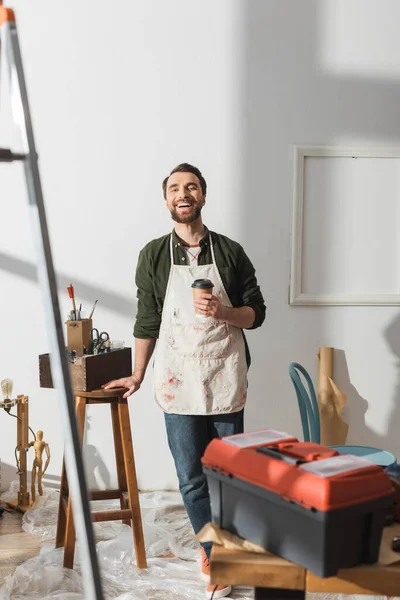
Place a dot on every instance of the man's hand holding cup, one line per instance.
(206, 305)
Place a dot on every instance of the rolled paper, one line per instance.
(331, 402)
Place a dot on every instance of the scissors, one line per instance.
(98, 339)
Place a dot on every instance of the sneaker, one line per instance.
(205, 566)
(218, 591)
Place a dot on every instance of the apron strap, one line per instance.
(171, 250)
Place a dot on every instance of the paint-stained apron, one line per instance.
(200, 364)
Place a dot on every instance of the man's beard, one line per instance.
(189, 218)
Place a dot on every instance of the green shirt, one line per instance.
(152, 273)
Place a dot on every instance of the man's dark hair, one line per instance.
(186, 168)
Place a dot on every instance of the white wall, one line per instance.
(118, 98)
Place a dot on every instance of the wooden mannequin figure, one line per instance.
(39, 445)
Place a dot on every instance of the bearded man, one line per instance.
(202, 357)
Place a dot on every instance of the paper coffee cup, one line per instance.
(200, 287)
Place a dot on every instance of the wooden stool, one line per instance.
(127, 491)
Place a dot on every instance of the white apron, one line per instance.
(200, 364)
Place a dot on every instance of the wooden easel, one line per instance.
(22, 503)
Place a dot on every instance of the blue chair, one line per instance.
(310, 421)
(308, 404)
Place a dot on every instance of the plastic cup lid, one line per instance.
(202, 284)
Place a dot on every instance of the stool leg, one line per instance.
(62, 515)
(119, 457)
(69, 545)
(130, 471)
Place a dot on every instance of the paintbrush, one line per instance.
(94, 306)
(70, 289)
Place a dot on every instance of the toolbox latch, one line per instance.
(221, 472)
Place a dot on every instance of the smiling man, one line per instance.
(202, 357)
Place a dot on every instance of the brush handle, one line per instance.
(71, 295)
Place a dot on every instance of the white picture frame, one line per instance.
(297, 295)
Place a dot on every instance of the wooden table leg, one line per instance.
(23, 428)
(119, 457)
(69, 545)
(278, 594)
(133, 493)
(62, 515)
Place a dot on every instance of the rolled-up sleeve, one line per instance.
(249, 289)
(148, 318)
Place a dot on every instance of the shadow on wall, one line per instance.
(288, 98)
(392, 338)
(357, 407)
(98, 476)
(8, 473)
(115, 302)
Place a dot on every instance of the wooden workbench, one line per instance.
(276, 578)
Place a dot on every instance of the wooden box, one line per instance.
(91, 371)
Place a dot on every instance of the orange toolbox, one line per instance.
(298, 500)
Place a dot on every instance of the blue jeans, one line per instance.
(188, 437)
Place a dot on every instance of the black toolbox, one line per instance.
(301, 501)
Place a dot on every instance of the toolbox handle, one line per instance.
(274, 452)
